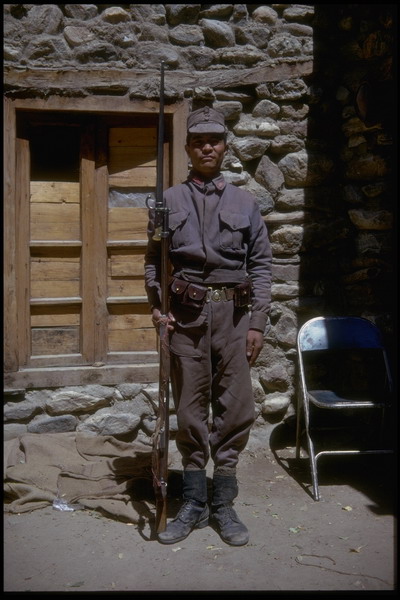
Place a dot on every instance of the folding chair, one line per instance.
(345, 382)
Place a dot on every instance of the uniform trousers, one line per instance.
(210, 375)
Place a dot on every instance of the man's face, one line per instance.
(206, 152)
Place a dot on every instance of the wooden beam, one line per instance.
(127, 243)
(23, 162)
(127, 300)
(9, 240)
(76, 78)
(100, 256)
(62, 376)
(94, 104)
(89, 232)
(35, 244)
(61, 300)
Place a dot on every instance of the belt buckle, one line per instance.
(216, 295)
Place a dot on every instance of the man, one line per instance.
(219, 304)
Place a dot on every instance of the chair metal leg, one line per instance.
(314, 472)
(298, 436)
(298, 429)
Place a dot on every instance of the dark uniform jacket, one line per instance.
(217, 236)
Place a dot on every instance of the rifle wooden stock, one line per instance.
(161, 434)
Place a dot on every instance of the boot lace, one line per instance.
(188, 506)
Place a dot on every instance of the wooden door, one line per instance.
(77, 174)
(82, 208)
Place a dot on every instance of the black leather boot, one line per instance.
(194, 512)
(225, 519)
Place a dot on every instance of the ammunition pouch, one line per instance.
(242, 294)
(187, 293)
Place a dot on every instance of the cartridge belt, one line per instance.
(196, 295)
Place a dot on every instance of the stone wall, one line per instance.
(308, 96)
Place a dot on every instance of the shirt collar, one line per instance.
(218, 181)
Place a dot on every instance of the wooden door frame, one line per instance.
(15, 376)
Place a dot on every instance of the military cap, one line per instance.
(206, 120)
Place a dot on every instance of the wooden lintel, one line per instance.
(74, 79)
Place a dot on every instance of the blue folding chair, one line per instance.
(345, 383)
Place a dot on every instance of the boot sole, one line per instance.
(233, 543)
(200, 525)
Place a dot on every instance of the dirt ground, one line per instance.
(345, 542)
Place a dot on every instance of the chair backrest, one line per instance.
(335, 333)
(334, 344)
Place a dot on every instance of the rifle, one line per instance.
(161, 433)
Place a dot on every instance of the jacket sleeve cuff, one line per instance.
(258, 320)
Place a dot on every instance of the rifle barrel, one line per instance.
(161, 437)
(160, 142)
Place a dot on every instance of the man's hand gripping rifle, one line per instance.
(161, 434)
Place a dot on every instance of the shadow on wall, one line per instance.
(347, 257)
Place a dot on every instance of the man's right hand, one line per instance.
(158, 319)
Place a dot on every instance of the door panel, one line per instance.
(132, 163)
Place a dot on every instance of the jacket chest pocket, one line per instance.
(233, 231)
(179, 226)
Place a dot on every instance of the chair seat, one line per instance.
(330, 399)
